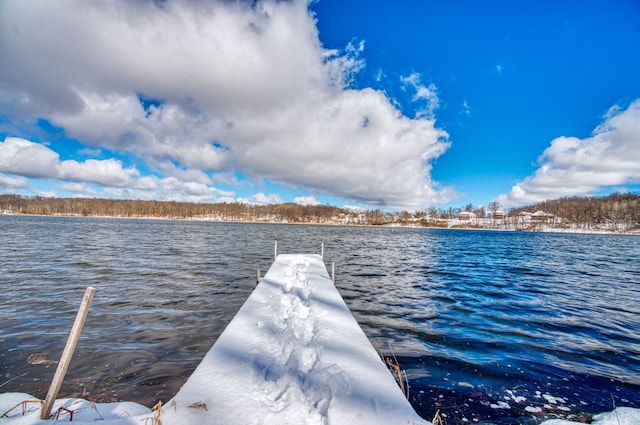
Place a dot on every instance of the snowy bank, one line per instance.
(620, 416)
(293, 354)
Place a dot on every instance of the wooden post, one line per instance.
(322, 250)
(258, 276)
(65, 359)
(333, 272)
(275, 250)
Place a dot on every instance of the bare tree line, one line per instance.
(619, 211)
(37, 205)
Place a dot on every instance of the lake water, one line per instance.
(491, 327)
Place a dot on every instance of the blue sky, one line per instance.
(398, 105)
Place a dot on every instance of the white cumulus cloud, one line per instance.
(194, 90)
(262, 199)
(427, 94)
(25, 158)
(11, 182)
(570, 166)
(306, 200)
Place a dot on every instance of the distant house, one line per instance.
(499, 215)
(541, 217)
(466, 216)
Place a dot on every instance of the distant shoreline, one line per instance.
(457, 226)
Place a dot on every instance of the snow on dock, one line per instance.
(293, 354)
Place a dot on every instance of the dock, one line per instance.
(295, 354)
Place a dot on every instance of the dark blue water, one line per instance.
(490, 327)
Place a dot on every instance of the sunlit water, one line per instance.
(491, 327)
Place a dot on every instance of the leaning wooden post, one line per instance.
(65, 359)
(275, 250)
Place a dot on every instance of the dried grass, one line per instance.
(155, 420)
(437, 419)
(24, 407)
(398, 373)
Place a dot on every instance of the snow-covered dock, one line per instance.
(293, 354)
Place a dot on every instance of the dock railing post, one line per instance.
(333, 272)
(65, 359)
(322, 250)
(258, 276)
(275, 249)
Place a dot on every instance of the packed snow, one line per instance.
(293, 354)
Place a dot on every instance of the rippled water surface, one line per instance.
(491, 327)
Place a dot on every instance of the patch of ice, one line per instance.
(552, 399)
(500, 405)
(515, 398)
